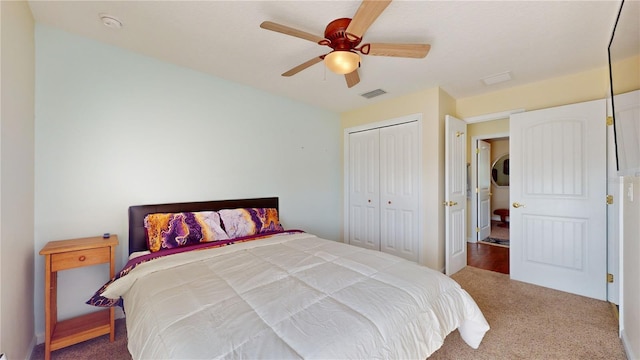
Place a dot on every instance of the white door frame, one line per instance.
(345, 182)
(474, 166)
(474, 180)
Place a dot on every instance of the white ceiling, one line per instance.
(470, 40)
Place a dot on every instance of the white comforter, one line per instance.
(292, 296)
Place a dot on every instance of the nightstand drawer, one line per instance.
(79, 258)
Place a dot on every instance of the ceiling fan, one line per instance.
(344, 37)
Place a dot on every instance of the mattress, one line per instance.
(291, 296)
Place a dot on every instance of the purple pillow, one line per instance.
(249, 221)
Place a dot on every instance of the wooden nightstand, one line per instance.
(70, 254)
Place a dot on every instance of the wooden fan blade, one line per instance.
(268, 25)
(352, 78)
(400, 50)
(367, 13)
(303, 66)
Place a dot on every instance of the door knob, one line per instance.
(449, 203)
(518, 205)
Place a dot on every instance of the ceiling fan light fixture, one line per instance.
(342, 61)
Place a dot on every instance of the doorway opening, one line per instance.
(488, 246)
(498, 207)
(494, 130)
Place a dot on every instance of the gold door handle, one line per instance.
(449, 203)
(518, 205)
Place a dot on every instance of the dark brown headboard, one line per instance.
(137, 234)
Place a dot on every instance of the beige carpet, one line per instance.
(532, 322)
(527, 322)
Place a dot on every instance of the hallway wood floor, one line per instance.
(488, 257)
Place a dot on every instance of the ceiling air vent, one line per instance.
(373, 93)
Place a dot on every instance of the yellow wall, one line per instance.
(563, 90)
(485, 128)
(626, 75)
(431, 104)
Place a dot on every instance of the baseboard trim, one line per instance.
(626, 343)
(39, 339)
(32, 345)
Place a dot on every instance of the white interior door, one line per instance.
(399, 198)
(364, 189)
(483, 190)
(558, 188)
(455, 194)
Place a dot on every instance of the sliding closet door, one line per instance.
(364, 189)
(399, 176)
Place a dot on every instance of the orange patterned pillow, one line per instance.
(171, 230)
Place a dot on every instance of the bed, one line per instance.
(278, 293)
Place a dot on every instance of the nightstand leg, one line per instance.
(112, 311)
(50, 306)
(112, 322)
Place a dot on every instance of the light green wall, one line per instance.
(115, 129)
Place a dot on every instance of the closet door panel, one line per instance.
(364, 189)
(399, 149)
(399, 233)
